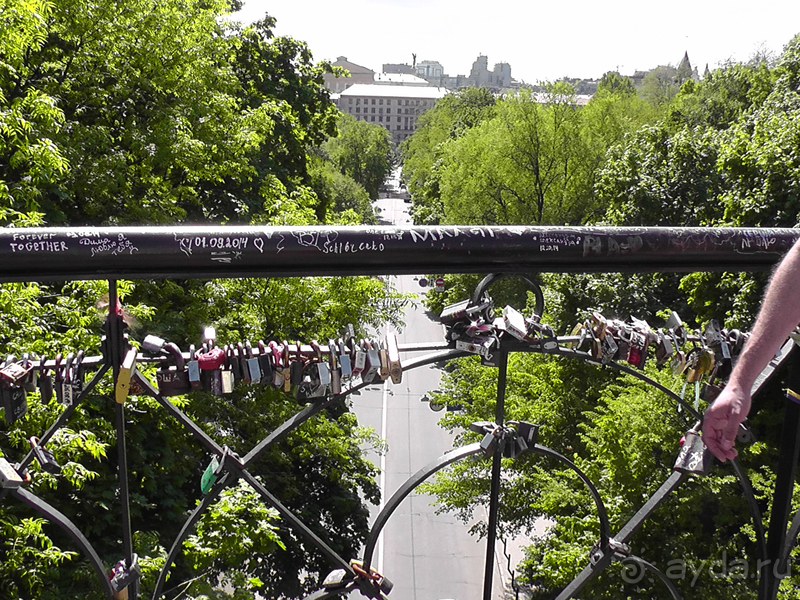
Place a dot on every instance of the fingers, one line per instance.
(719, 436)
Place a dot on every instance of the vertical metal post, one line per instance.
(116, 349)
(784, 484)
(494, 494)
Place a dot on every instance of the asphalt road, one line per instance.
(427, 556)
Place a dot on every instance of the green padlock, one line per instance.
(212, 472)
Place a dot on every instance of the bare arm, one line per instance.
(779, 315)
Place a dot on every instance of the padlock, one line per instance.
(241, 358)
(210, 363)
(360, 360)
(338, 578)
(31, 381)
(123, 575)
(173, 380)
(45, 382)
(694, 458)
(608, 348)
(514, 323)
(664, 349)
(527, 432)
(372, 365)
(153, 344)
(323, 369)
(44, 457)
(126, 371)
(345, 362)
(296, 366)
(12, 373)
(58, 378)
(193, 369)
(277, 361)
(454, 312)
(252, 364)
(395, 368)
(14, 402)
(9, 478)
(66, 381)
(265, 363)
(78, 373)
(232, 362)
(383, 356)
(213, 471)
(335, 369)
(637, 354)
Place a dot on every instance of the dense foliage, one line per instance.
(721, 150)
(139, 112)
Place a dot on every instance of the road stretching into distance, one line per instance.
(427, 556)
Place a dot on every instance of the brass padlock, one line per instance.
(395, 368)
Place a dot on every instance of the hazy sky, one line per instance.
(548, 40)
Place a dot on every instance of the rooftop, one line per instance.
(399, 78)
(394, 91)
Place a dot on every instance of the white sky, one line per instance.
(541, 42)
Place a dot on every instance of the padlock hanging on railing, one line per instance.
(44, 457)
(172, 379)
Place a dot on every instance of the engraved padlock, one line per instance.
(173, 379)
(14, 402)
(694, 458)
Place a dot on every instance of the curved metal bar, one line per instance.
(664, 579)
(404, 490)
(791, 538)
(605, 529)
(492, 277)
(60, 519)
(188, 526)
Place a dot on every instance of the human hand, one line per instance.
(721, 421)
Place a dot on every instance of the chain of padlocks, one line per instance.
(313, 373)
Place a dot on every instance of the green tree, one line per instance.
(450, 118)
(362, 151)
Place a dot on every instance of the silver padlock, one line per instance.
(694, 458)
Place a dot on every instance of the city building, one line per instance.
(358, 74)
(395, 107)
(498, 79)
